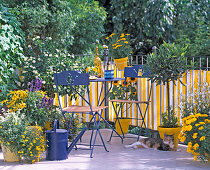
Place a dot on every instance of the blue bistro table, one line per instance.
(103, 80)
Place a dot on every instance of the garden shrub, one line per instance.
(11, 50)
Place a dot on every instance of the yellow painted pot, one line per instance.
(121, 63)
(170, 131)
(124, 124)
(9, 156)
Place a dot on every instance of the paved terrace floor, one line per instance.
(118, 157)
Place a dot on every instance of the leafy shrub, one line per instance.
(11, 50)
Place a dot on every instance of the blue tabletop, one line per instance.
(104, 80)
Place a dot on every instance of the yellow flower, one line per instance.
(195, 135)
(87, 69)
(95, 69)
(122, 35)
(127, 34)
(8, 143)
(197, 124)
(0, 127)
(207, 121)
(126, 42)
(189, 144)
(183, 138)
(132, 79)
(200, 128)
(33, 161)
(202, 138)
(195, 147)
(115, 83)
(195, 158)
(203, 115)
(202, 123)
(188, 128)
(189, 149)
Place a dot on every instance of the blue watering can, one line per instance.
(57, 142)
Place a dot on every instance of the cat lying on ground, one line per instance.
(165, 144)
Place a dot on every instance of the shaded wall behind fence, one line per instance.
(191, 80)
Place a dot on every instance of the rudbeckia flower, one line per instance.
(115, 83)
(132, 79)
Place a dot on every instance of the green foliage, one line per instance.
(73, 25)
(148, 26)
(167, 63)
(198, 42)
(11, 51)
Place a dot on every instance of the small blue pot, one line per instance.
(109, 74)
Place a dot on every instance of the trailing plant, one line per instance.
(27, 142)
(195, 132)
(167, 64)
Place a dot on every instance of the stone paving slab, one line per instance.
(118, 157)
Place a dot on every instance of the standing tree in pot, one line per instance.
(166, 64)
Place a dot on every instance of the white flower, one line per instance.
(33, 39)
(35, 71)
(54, 86)
(39, 59)
(50, 38)
(50, 55)
(56, 55)
(37, 37)
(52, 78)
(29, 46)
(31, 66)
(43, 82)
(33, 61)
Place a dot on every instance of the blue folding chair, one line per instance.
(132, 72)
(73, 79)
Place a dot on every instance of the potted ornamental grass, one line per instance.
(167, 64)
(119, 49)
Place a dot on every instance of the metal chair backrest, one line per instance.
(134, 71)
(72, 78)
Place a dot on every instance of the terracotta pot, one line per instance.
(9, 156)
(170, 131)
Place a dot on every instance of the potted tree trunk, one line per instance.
(167, 64)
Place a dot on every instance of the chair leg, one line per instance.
(92, 131)
(117, 119)
(91, 153)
